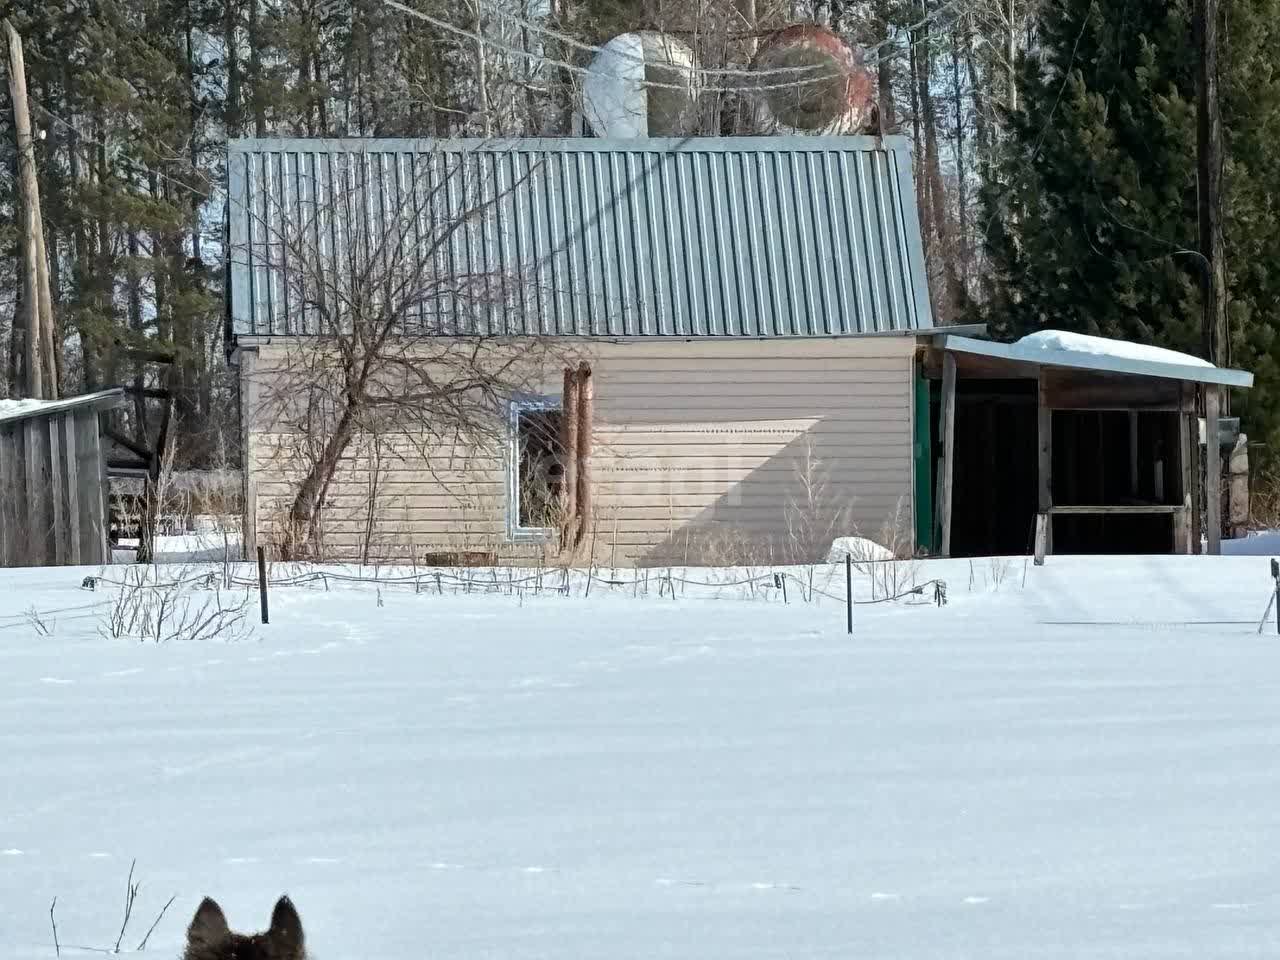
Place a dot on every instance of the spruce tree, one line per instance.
(1091, 220)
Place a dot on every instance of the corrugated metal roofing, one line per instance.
(733, 237)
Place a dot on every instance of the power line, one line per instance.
(572, 41)
(541, 58)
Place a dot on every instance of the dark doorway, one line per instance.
(994, 481)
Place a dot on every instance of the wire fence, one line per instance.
(804, 584)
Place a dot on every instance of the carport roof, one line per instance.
(1022, 356)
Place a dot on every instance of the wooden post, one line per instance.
(1187, 444)
(1044, 462)
(569, 450)
(948, 433)
(1212, 471)
(586, 417)
(262, 584)
(848, 588)
(1041, 538)
(1133, 454)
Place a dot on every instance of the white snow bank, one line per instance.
(1035, 343)
(859, 548)
(1076, 766)
(1258, 543)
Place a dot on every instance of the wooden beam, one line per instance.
(130, 444)
(569, 451)
(1186, 462)
(948, 435)
(36, 546)
(57, 490)
(1133, 453)
(586, 426)
(67, 427)
(1044, 463)
(1086, 510)
(1212, 471)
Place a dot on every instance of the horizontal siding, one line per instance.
(689, 453)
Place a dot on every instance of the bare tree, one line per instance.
(390, 332)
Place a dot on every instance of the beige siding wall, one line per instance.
(735, 451)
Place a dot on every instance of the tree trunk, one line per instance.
(301, 539)
(885, 101)
(29, 203)
(257, 94)
(962, 193)
(945, 252)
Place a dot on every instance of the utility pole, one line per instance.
(1213, 328)
(37, 304)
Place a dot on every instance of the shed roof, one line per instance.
(1192, 371)
(716, 237)
(13, 410)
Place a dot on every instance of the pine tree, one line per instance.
(1090, 216)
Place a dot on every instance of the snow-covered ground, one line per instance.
(1087, 766)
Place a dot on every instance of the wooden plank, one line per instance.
(57, 490)
(35, 542)
(1042, 538)
(1186, 493)
(1212, 471)
(1133, 453)
(947, 432)
(100, 508)
(71, 466)
(1115, 508)
(1044, 456)
(569, 403)
(248, 382)
(1087, 390)
(10, 499)
(1182, 531)
(586, 414)
(90, 493)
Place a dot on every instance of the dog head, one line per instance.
(209, 937)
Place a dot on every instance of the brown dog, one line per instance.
(209, 937)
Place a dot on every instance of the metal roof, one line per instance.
(723, 237)
(1080, 360)
(103, 400)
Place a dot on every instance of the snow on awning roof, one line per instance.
(1076, 351)
(26, 409)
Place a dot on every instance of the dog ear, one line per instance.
(286, 929)
(208, 926)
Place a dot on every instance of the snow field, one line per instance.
(1084, 766)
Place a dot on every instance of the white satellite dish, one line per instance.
(640, 85)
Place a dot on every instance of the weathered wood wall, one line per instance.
(52, 490)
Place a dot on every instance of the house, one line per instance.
(53, 481)
(714, 350)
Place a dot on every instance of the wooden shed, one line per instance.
(1064, 443)
(53, 484)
